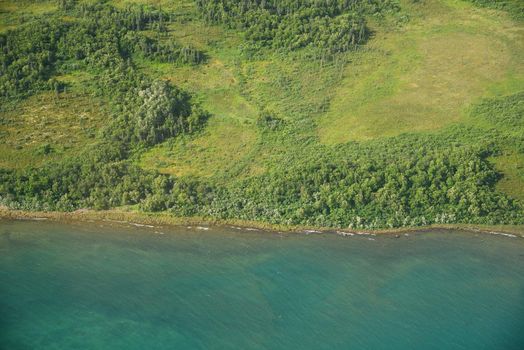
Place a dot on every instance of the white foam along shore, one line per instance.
(129, 223)
(497, 233)
(344, 234)
(311, 231)
(503, 234)
(359, 233)
(141, 225)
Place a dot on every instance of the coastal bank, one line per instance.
(137, 218)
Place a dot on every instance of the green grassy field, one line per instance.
(424, 75)
(45, 127)
(13, 13)
(423, 71)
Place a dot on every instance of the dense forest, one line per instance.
(333, 26)
(408, 180)
(101, 37)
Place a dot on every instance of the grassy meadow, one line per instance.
(424, 75)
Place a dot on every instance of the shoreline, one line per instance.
(143, 219)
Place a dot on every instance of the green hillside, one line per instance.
(360, 114)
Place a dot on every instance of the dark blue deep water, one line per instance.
(115, 286)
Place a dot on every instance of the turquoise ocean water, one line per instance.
(112, 286)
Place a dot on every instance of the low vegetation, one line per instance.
(374, 114)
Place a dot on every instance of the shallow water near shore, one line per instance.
(116, 286)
